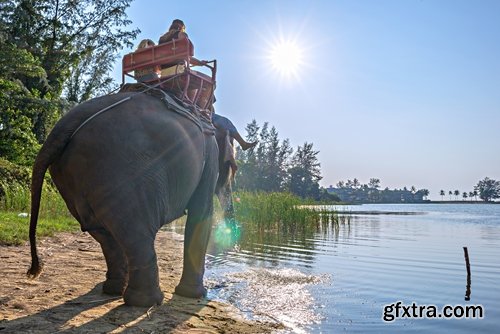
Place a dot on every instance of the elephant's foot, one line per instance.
(191, 291)
(114, 287)
(148, 297)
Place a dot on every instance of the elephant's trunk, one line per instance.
(225, 195)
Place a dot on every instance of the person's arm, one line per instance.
(197, 62)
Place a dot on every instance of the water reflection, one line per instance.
(233, 241)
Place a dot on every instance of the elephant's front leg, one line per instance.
(197, 234)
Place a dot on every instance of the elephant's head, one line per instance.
(227, 170)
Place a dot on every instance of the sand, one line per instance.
(67, 297)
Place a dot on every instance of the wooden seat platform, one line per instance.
(189, 85)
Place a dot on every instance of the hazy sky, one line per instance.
(407, 91)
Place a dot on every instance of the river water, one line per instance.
(338, 277)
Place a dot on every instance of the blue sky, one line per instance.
(407, 91)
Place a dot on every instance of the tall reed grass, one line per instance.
(280, 212)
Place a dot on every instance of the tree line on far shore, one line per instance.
(352, 191)
(487, 189)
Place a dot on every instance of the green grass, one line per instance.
(54, 216)
(14, 229)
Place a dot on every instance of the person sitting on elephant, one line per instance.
(150, 73)
(177, 30)
(224, 123)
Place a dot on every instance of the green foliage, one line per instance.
(11, 174)
(272, 167)
(264, 168)
(52, 53)
(488, 189)
(305, 172)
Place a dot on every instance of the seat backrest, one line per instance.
(170, 53)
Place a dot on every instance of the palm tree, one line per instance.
(425, 193)
(464, 195)
(471, 194)
(456, 193)
(450, 193)
(442, 194)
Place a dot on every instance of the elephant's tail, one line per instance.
(51, 149)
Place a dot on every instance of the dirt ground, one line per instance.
(67, 297)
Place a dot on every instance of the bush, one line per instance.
(12, 175)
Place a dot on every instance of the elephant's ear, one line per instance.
(227, 159)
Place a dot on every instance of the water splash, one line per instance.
(277, 294)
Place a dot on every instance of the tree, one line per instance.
(450, 193)
(464, 195)
(456, 193)
(425, 193)
(441, 193)
(474, 193)
(305, 172)
(374, 183)
(48, 47)
(264, 167)
(488, 189)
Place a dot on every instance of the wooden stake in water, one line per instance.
(467, 265)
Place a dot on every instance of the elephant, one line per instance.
(125, 165)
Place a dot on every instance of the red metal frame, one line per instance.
(178, 51)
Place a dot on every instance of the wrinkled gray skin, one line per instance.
(126, 173)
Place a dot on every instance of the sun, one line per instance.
(286, 58)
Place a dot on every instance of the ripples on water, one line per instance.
(338, 277)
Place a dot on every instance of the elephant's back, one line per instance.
(129, 152)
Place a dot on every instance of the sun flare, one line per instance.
(286, 58)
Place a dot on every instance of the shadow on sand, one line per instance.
(95, 312)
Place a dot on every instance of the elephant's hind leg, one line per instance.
(117, 274)
(143, 284)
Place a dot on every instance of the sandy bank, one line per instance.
(67, 296)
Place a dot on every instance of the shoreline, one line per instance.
(67, 296)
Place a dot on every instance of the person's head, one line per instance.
(145, 43)
(177, 25)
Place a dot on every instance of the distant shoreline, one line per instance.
(459, 202)
(428, 202)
